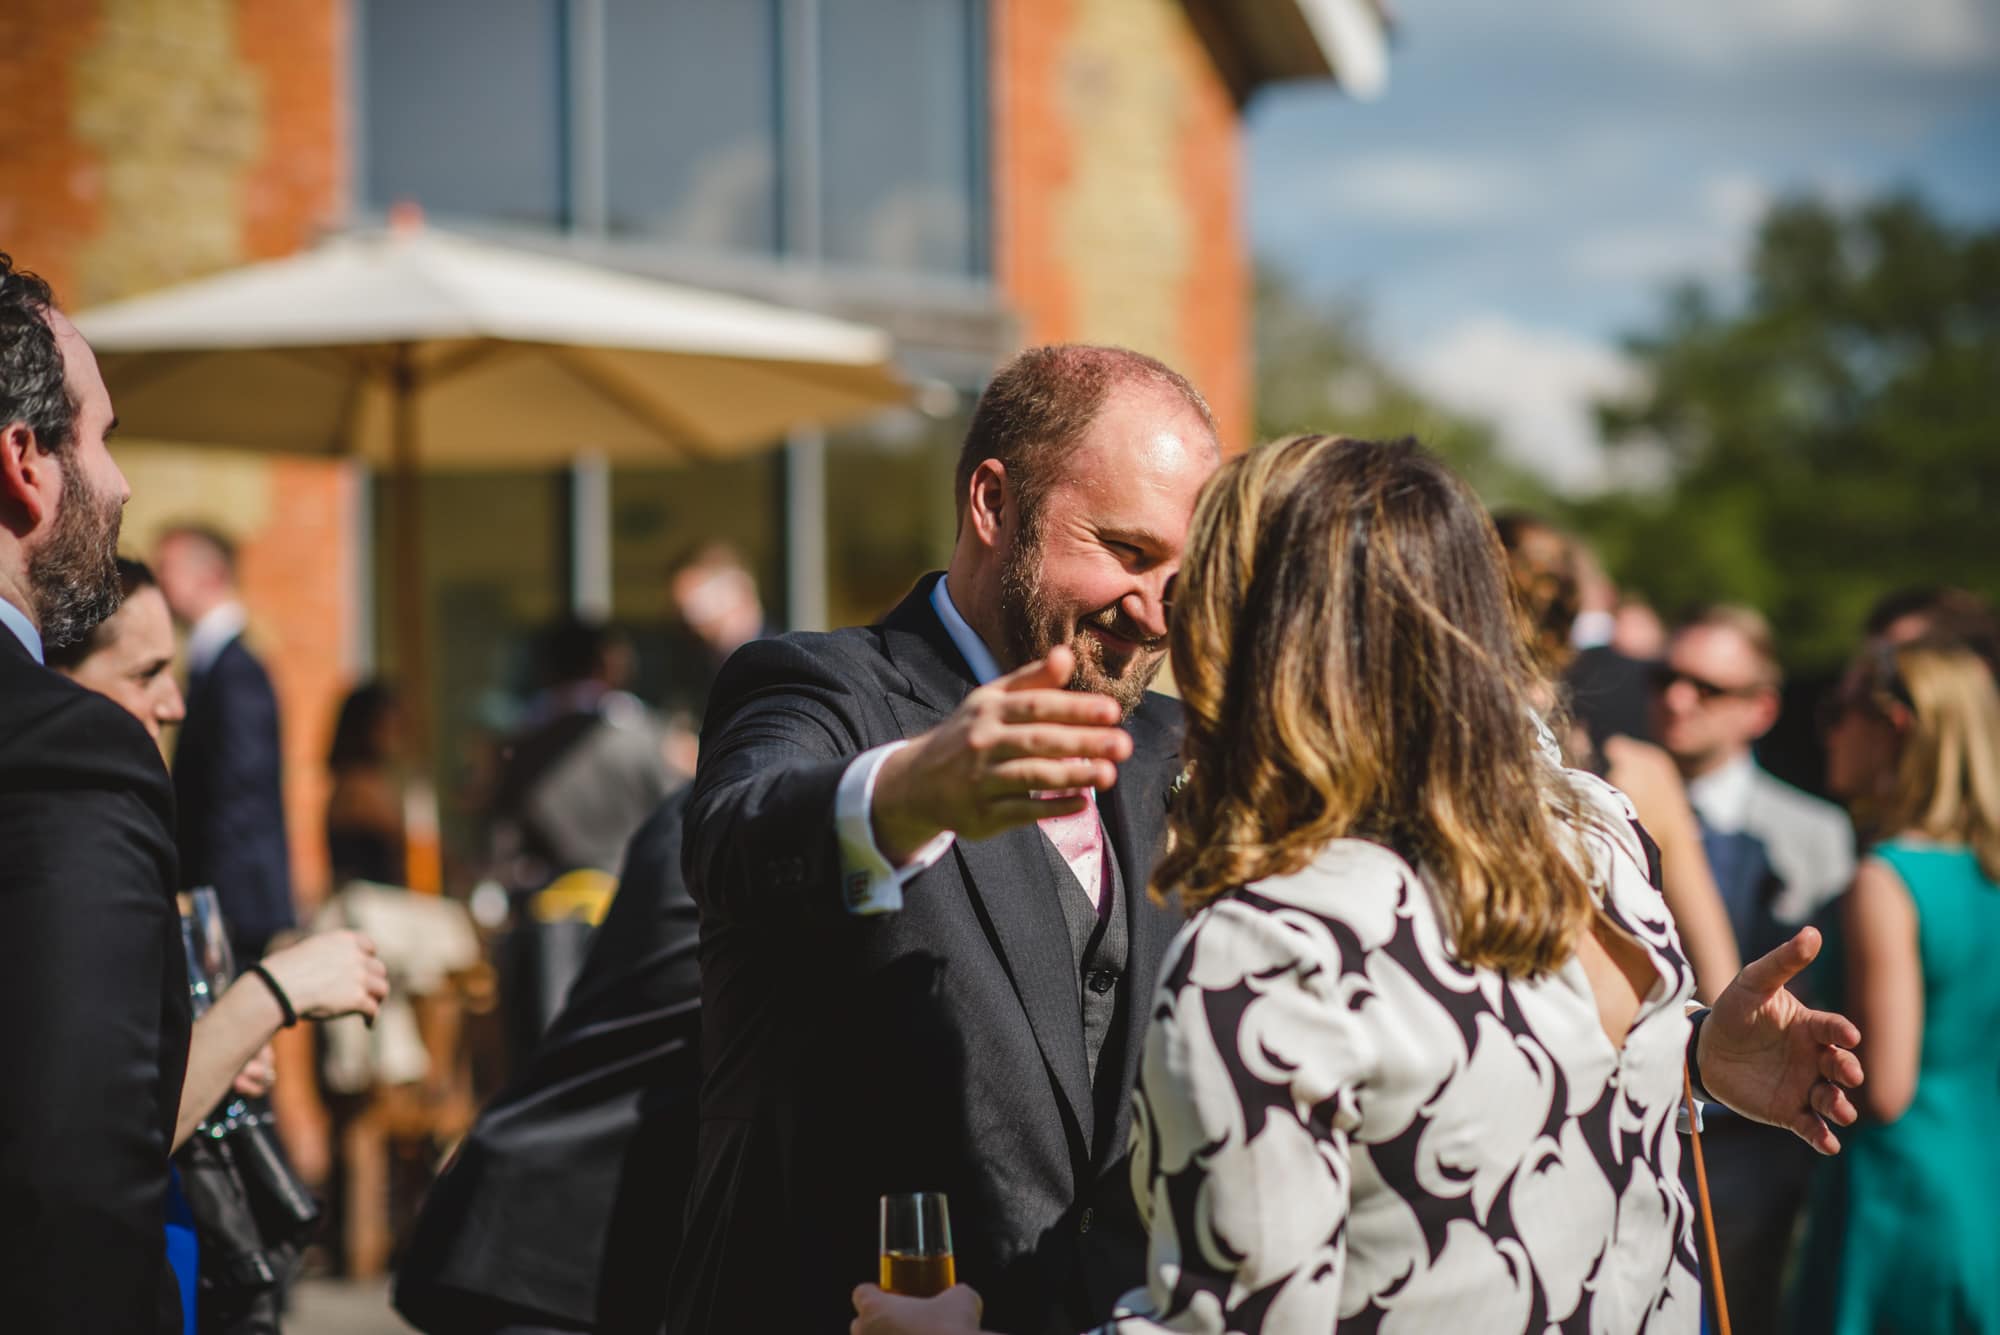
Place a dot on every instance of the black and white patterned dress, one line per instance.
(1340, 1127)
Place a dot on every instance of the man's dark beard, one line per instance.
(1032, 628)
(74, 577)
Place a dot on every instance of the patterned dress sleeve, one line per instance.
(1240, 1156)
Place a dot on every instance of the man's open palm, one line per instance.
(1770, 1057)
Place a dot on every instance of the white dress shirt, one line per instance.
(14, 619)
(870, 884)
(211, 635)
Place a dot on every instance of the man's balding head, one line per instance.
(1076, 484)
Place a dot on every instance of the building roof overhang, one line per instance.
(1259, 42)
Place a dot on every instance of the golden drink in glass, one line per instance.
(916, 1244)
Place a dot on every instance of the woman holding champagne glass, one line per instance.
(1419, 1052)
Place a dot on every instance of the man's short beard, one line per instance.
(74, 577)
(1032, 628)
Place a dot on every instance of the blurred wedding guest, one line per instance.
(1904, 1233)
(91, 1066)
(1637, 631)
(228, 768)
(1415, 1063)
(561, 1209)
(1574, 606)
(1779, 856)
(1932, 609)
(1541, 562)
(717, 610)
(364, 808)
(588, 769)
(129, 658)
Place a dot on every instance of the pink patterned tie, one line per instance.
(1080, 840)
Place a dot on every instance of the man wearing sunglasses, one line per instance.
(1779, 856)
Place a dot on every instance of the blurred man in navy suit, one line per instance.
(1779, 856)
(228, 768)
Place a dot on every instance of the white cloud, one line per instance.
(1709, 246)
(1939, 33)
(1422, 189)
(1535, 385)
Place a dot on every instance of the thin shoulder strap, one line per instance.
(1707, 1210)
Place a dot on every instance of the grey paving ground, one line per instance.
(343, 1307)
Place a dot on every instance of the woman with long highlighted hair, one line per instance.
(1416, 1059)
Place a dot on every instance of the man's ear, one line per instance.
(989, 507)
(1770, 703)
(30, 479)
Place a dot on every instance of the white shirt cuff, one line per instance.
(868, 883)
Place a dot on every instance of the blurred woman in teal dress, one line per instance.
(1905, 1226)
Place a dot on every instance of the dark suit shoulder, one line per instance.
(806, 654)
(237, 665)
(55, 733)
(806, 662)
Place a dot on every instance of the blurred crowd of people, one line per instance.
(887, 926)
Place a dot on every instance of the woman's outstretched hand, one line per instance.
(1767, 1055)
(953, 1312)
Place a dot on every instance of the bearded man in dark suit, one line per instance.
(92, 1058)
(921, 851)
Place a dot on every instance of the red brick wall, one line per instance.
(299, 186)
(56, 215)
(1057, 66)
(1031, 164)
(1215, 303)
(49, 183)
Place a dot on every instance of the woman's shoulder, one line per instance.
(1344, 900)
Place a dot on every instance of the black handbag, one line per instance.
(253, 1216)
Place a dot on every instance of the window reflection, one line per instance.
(901, 84)
(465, 128)
(691, 121)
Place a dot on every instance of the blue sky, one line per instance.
(1538, 170)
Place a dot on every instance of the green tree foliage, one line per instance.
(1318, 371)
(1831, 436)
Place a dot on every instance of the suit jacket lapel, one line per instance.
(1008, 876)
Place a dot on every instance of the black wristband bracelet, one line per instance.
(277, 994)
(1696, 1021)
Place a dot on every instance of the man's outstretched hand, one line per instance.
(1768, 1056)
(995, 762)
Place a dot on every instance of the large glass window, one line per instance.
(691, 121)
(465, 111)
(844, 132)
(900, 90)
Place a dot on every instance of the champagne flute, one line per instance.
(916, 1244)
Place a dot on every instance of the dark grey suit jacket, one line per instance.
(939, 1048)
(95, 1043)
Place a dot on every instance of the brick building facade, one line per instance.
(148, 142)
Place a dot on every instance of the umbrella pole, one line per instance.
(423, 854)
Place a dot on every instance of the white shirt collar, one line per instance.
(977, 656)
(212, 634)
(14, 619)
(1722, 796)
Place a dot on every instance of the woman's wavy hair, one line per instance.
(1947, 783)
(1352, 663)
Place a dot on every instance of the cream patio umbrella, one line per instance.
(419, 350)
